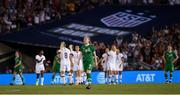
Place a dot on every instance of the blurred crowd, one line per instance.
(145, 53)
(140, 53)
(17, 14)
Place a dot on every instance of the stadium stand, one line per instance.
(30, 24)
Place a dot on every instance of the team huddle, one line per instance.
(78, 62)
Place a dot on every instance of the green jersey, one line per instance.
(56, 64)
(88, 56)
(169, 57)
(18, 64)
(87, 52)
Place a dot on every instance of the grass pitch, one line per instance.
(96, 89)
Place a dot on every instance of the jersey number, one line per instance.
(65, 55)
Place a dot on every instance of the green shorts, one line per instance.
(18, 69)
(88, 65)
(169, 68)
(56, 68)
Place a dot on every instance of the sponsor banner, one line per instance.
(129, 77)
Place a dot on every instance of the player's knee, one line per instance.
(69, 74)
(62, 75)
(88, 71)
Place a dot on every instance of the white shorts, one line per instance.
(65, 67)
(77, 67)
(112, 67)
(39, 68)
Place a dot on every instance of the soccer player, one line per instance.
(89, 56)
(112, 56)
(40, 69)
(77, 67)
(66, 61)
(56, 65)
(119, 66)
(104, 64)
(169, 59)
(18, 68)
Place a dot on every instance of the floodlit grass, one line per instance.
(96, 89)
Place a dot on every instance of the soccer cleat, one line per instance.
(23, 83)
(71, 84)
(170, 81)
(11, 84)
(167, 82)
(88, 87)
(37, 83)
(42, 84)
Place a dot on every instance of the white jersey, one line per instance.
(40, 63)
(76, 57)
(65, 56)
(111, 63)
(119, 58)
(41, 60)
(119, 65)
(112, 57)
(65, 60)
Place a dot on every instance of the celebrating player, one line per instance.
(112, 56)
(40, 69)
(66, 61)
(88, 55)
(119, 66)
(18, 68)
(77, 67)
(56, 65)
(104, 64)
(169, 59)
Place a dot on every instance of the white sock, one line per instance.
(70, 79)
(77, 80)
(42, 80)
(63, 79)
(106, 77)
(81, 79)
(110, 78)
(37, 80)
(113, 78)
(85, 77)
(116, 77)
(120, 77)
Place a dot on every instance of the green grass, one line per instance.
(96, 89)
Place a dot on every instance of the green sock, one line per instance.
(89, 78)
(171, 75)
(166, 76)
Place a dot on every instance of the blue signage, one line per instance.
(129, 77)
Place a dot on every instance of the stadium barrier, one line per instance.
(129, 77)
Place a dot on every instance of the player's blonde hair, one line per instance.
(62, 45)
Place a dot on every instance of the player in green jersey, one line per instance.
(18, 67)
(169, 58)
(56, 66)
(88, 55)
